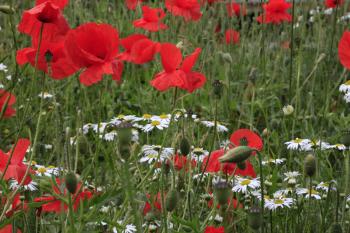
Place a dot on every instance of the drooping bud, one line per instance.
(236, 155)
(171, 200)
(71, 182)
(7, 9)
(310, 165)
(254, 218)
(217, 89)
(222, 191)
(185, 146)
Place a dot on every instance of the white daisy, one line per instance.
(2, 86)
(348, 199)
(219, 126)
(3, 67)
(345, 87)
(314, 144)
(45, 95)
(32, 186)
(217, 218)
(110, 136)
(145, 117)
(324, 186)
(120, 118)
(337, 146)
(291, 175)
(198, 154)
(48, 146)
(278, 201)
(225, 144)
(285, 192)
(306, 193)
(130, 228)
(150, 153)
(9, 77)
(243, 185)
(297, 144)
(347, 97)
(288, 110)
(88, 126)
(274, 161)
(164, 118)
(47, 171)
(155, 124)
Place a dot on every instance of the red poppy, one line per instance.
(156, 204)
(60, 3)
(17, 205)
(209, 2)
(60, 66)
(333, 3)
(344, 49)
(95, 54)
(7, 100)
(247, 137)
(16, 169)
(8, 229)
(235, 9)
(138, 49)
(55, 27)
(151, 19)
(53, 204)
(189, 9)
(181, 161)
(275, 12)
(174, 75)
(214, 166)
(132, 4)
(231, 36)
(211, 229)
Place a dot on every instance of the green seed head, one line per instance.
(310, 165)
(185, 146)
(71, 182)
(171, 200)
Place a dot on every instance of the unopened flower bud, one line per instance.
(171, 200)
(226, 57)
(217, 89)
(71, 182)
(185, 146)
(236, 155)
(288, 110)
(7, 9)
(310, 165)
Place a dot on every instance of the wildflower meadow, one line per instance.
(174, 116)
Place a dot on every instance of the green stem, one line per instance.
(262, 191)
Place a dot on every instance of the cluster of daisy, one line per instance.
(345, 88)
(310, 145)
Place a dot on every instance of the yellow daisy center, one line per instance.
(278, 201)
(245, 182)
(121, 116)
(155, 123)
(163, 116)
(298, 140)
(147, 116)
(42, 169)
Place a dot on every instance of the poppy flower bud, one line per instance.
(185, 146)
(241, 165)
(71, 182)
(217, 89)
(82, 144)
(7, 9)
(48, 56)
(254, 218)
(222, 192)
(310, 165)
(226, 57)
(171, 200)
(346, 138)
(236, 155)
(336, 228)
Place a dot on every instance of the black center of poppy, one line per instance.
(243, 141)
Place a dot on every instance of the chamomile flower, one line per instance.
(243, 185)
(150, 153)
(325, 186)
(225, 144)
(45, 95)
(337, 147)
(297, 144)
(145, 117)
(130, 228)
(345, 87)
(347, 97)
(2, 86)
(278, 201)
(31, 186)
(307, 194)
(315, 144)
(285, 192)
(155, 124)
(164, 118)
(274, 161)
(219, 127)
(89, 126)
(110, 136)
(198, 154)
(120, 118)
(46, 171)
(291, 175)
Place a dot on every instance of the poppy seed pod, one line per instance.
(185, 146)
(71, 182)
(236, 155)
(310, 165)
(222, 192)
(171, 200)
(254, 218)
(7, 9)
(217, 89)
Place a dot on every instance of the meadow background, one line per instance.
(271, 67)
